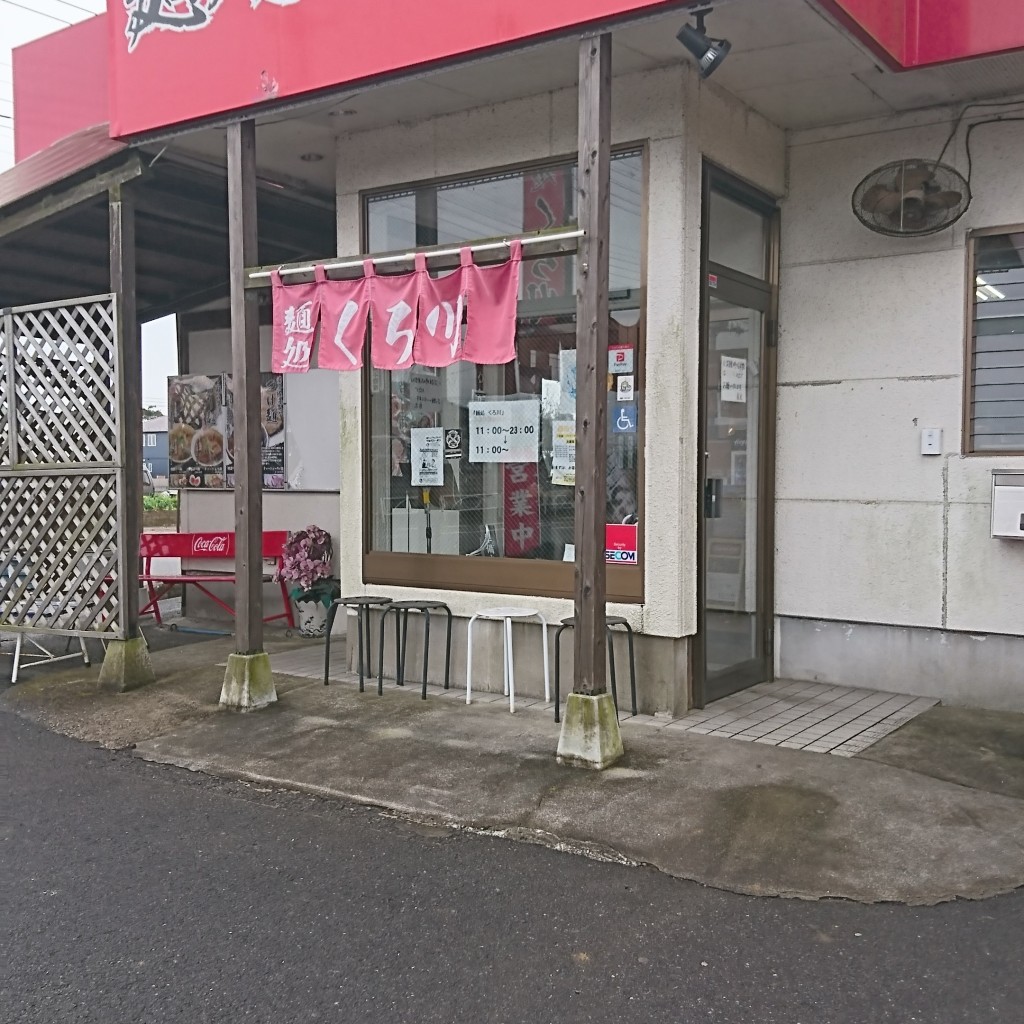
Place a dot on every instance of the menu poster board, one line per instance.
(272, 446)
(195, 434)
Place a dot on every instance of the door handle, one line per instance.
(713, 498)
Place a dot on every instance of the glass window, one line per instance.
(997, 357)
(737, 236)
(525, 509)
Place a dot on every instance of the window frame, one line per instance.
(967, 448)
(520, 576)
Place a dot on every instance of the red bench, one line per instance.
(199, 546)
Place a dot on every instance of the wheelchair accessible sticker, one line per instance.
(623, 418)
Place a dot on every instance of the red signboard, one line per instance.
(174, 61)
(547, 203)
(60, 86)
(916, 33)
(620, 544)
(522, 509)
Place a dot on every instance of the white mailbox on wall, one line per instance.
(1008, 503)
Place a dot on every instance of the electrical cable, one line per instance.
(967, 139)
(35, 10)
(77, 7)
(963, 111)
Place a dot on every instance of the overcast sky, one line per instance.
(20, 22)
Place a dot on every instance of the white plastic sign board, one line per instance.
(504, 431)
(427, 456)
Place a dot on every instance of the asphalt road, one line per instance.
(141, 894)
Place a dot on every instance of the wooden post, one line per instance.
(129, 354)
(593, 205)
(245, 369)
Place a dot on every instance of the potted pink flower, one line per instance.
(306, 565)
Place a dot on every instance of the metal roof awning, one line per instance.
(54, 229)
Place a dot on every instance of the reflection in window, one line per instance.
(486, 505)
(997, 365)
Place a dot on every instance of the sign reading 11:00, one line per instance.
(504, 431)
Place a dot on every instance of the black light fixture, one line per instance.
(709, 52)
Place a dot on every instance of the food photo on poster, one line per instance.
(195, 435)
(272, 431)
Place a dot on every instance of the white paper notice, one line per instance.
(427, 456)
(567, 381)
(504, 431)
(734, 379)
(550, 398)
(563, 453)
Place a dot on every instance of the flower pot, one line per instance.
(312, 616)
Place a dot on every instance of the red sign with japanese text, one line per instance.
(174, 61)
(547, 204)
(522, 509)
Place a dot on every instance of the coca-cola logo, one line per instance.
(210, 545)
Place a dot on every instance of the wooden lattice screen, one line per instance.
(60, 469)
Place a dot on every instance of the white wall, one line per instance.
(870, 351)
(676, 116)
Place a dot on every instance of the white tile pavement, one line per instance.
(816, 717)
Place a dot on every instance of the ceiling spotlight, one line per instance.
(311, 158)
(709, 52)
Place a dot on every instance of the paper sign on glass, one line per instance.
(504, 431)
(563, 453)
(427, 456)
(734, 379)
(567, 381)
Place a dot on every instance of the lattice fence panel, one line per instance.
(65, 383)
(61, 555)
(60, 494)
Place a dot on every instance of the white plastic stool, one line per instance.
(506, 615)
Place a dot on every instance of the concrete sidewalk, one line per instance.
(932, 813)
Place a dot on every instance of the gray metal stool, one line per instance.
(611, 620)
(401, 610)
(363, 606)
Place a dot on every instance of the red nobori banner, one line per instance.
(522, 509)
(547, 204)
(174, 61)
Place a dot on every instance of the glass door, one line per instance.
(734, 647)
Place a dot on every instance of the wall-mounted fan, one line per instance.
(911, 197)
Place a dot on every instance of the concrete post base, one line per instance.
(248, 683)
(126, 666)
(590, 735)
